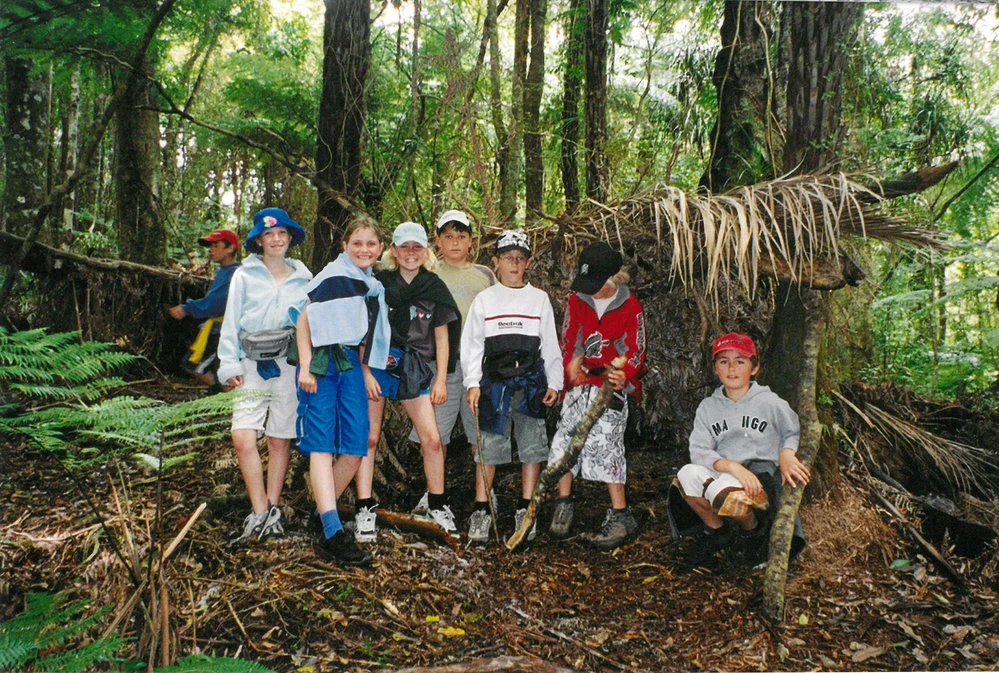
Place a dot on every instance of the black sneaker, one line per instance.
(342, 549)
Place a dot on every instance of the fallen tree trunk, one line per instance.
(496, 665)
(554, 471)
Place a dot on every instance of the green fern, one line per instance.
(202, 664)
(50, 635)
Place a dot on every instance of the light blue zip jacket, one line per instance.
(257, 302)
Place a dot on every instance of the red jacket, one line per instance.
(621, 331)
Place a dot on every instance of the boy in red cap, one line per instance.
(743, 435)
(201, 361)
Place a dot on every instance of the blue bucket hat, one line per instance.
(272, 217)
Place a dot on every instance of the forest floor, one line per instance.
(643, 607)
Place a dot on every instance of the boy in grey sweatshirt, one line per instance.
(742, 433)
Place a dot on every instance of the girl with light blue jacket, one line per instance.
(266, 296)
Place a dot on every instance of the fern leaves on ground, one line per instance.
(51, 635)
(50, 383)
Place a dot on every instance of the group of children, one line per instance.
(448, 338)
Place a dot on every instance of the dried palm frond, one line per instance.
(795, 224)
(894, 444)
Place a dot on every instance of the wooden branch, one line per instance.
(822, 274)
(927, 546)
(554, 471)
(910, 183)
(45, 259)
(504, 664)
(409, 523)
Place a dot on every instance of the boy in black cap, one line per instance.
(603, 320)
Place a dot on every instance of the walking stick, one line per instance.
(554, 471)
(482, 471)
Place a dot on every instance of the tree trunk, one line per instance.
(138, 225)
(819, 39)
(597, 170)
(782, 530)
(572, 80)
(744, 135)
(25, 144)
(534, 173)
(346, 58)
(65, 209)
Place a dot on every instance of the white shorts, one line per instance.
(721, 489)
(269, 406)
(602, 457)
(447, 413)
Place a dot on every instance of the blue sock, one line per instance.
(331, 523)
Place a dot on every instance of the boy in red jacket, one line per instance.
(602, 321)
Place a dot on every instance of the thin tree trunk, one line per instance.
(138, 222)
(597, 170)
(342, 108)
(25, 144)
(66, 208)
(782, 530)
(534, 173)
(572, 80)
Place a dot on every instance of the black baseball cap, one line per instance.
(596, 264)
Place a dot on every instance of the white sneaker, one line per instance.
(252, 525)
(518, 518)
(444, 518)
(422, 507)
(273, 523)
(365, 529)
(478, 526)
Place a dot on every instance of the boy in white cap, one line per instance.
(512, 368)
(465, 280)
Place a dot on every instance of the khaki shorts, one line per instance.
(269, 406)
(447, 413)
(530, 433)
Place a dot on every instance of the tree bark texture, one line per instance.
(744, 135)
(819, 39)
(554, 471)
(534, 172)
(25, 144)
(775, 579)
(138, 225)
(572, 81)
(342, 109)
(595, 79)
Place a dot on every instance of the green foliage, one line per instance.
(63, 377)
(52, 635)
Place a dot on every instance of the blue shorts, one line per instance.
(334, 419)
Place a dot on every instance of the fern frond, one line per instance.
(200, 663)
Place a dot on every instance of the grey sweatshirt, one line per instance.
(756, 427)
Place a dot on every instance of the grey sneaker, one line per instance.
(617, 527)
(273, 523)
(444, 518)
(478, 526)
(562, 519)
(252, 525)
(422, 507)
(365, 528)
(518, 518)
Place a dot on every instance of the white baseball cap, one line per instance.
(453, 217)
(409, 232)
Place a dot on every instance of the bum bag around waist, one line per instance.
(267, 344)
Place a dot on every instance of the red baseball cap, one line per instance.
(220, 235)
(733, 341)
